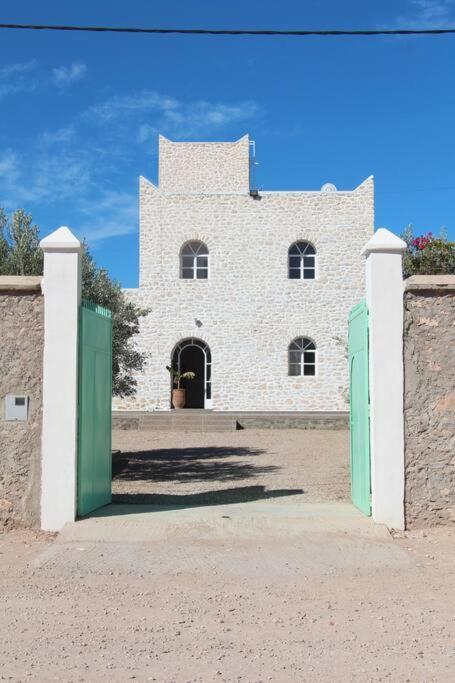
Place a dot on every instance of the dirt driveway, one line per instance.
(249, 610)
(255, 590)
(166, 468)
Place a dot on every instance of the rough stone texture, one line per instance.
(249, 311)
(429, 405)
(221, 166)
(21, 361)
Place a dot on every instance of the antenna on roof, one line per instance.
(254, 192)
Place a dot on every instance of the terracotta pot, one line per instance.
(178, 398)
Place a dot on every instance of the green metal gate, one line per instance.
(94, 464)
(359, 408)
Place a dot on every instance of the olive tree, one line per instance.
(20, 254)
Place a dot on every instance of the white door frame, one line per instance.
(204, 347)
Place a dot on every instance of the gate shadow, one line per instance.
(188, 465)
(192, 466)
(240, 494)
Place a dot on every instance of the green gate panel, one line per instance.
(359, 408)
(94, 463)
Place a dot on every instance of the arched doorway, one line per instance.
(194, 355)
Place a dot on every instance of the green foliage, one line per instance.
(177, 376)
(19, 245)
(3, 240)
(427, 254)
(20, 254)
(97, 286)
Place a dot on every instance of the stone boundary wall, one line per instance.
(429, 400)
(21, 370)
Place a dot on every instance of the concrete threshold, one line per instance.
(142, 523)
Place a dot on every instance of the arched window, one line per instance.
(194, 261)
(302, 357)
(302, 261)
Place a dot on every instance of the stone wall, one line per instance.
(21, 361)
(204, 167)
(248, 311)
(429, 343)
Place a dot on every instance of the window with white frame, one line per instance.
(302, 261)
(302, 357)
(194, 261)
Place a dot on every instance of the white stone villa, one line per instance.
(252, 293)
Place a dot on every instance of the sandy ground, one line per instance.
(261, 602)
(188, 468)
(250, 611)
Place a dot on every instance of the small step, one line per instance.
(208, 421)
(187, 422)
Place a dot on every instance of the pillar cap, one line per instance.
(384, 241)
(61, 240)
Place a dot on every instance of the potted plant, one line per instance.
(178, 393)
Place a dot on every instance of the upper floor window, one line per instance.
(302, 357)
(194, 261)
(302, 261)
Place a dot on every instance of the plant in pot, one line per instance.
(178, 392)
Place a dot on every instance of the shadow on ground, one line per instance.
(241, 494)
(188, 464)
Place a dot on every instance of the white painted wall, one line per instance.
(384, 296)
(61, 288)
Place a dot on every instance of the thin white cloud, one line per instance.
(64, 76)
(186, 120)
(18, 68)
(58, 136)
(15, 78)
(121, 105)
(46, 176)
(21, 77)
(428, 14)
(9, 174)
(80, 167)
(8, 164)
(168, 114)
(146, 132)
(113, 214)
(199, 118)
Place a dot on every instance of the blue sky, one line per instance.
(80, 113)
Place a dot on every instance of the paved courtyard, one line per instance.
(178, 468)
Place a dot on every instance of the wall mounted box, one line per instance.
(16, 407)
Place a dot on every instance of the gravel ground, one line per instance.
(238, 611)
(253, 607)
(190, 468)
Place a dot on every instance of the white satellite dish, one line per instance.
(328, 187)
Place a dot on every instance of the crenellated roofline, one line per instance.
(146, 186)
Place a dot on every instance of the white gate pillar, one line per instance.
(62, 293)
(384, 297)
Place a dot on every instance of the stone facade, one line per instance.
(429, 400)
(204, 167)
(21, 367)
(247, 311)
